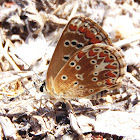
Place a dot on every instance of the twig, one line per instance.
(19, 75)
(4, 51)
(8, 127)
(133, 79)
(73, 120)
(59, 7)
(52, 18)
(127, 40)
(74, 10)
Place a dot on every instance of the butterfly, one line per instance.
(84, 62)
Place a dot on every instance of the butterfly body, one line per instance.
(84, 62)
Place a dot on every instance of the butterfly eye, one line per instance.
(67, 43)
(99, 37)
(64, 77)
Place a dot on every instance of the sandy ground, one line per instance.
(29, 32)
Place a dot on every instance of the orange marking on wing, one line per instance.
(108, 82)
(94, 40)
(80, 54)
(89, 34)
(85, 30)
(73, 27)
(107, 59)
(109, 66)
(92, 53)
(81, 29)
(102, 54)
(110, 74)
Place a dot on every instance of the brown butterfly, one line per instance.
(84, 62)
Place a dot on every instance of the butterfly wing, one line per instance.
(79, 32)
(90, 70)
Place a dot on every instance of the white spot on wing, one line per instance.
(72, 64)
(64, 77)
(79, 76)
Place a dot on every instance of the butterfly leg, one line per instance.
(73, 120)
